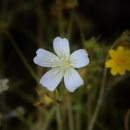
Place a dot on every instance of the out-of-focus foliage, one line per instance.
(102, 103)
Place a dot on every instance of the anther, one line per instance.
(51, 60)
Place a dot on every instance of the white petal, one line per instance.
(61, 47)
(46, 59)
(4, 82)
(79, 58)
(52, 78)
(72, 79)
(3, 85)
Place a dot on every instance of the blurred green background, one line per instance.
(27, 25)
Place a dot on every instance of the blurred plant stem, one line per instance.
(40, 20)
(21, 56)
(70, 114)
(69, 32)
(78, 114)
(24, 120)
(101, 93)
(4, 5)
(26, 96)
(58, 118)
(127, 120)
(48, 117)
(60, 18)
(1, 54)
(40, 23)
(79, 23)
(3, 8)
(89, 108)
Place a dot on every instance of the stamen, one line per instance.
(67, 73)
(54, 72)
(67, 58)
(56, 58)
(65, 62)
(51, 60)
(62, 59)
(53, 66)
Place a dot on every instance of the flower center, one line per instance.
(65, 62)
(120, 61)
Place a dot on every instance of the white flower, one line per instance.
(62, 65)
(3, 85)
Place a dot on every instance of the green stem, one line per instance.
(79, 23)
(70, 25)
(58, 117)
(48, 118)
(89, 109)
(126, 120)
(70, 113)
(101, 93)
(60, 18)
(21, 56)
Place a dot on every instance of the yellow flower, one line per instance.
(120, 61)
